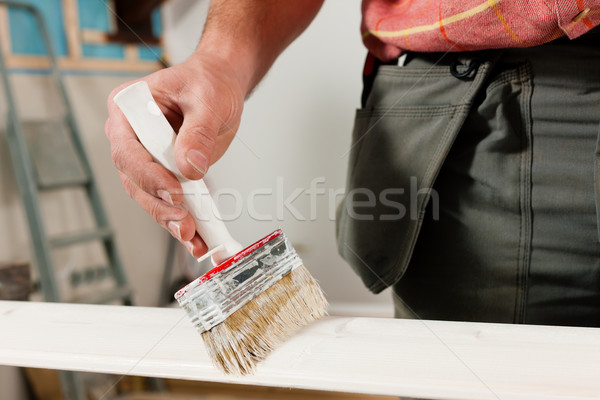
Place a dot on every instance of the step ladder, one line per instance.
(49, 156)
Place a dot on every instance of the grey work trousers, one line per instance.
(509, 232)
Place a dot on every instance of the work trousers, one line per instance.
(489, 165)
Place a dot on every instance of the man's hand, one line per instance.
(203, 100)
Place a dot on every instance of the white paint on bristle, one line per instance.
(250, 334)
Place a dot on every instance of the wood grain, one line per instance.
(425, 359)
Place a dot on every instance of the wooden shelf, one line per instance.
(424, 359)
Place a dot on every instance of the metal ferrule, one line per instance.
(209, 302)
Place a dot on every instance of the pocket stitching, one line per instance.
(406, 111)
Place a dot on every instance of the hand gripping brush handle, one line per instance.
(156, 134)
(257, 296)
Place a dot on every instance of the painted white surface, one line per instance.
(424, 359)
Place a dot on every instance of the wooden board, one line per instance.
(426, 359)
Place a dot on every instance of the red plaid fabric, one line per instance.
(392, 26)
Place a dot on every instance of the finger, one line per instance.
(175, 219)
(169, 217)
(196, 247)
(195, 142)
(131, 158)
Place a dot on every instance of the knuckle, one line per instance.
(117, 155)
(145, 182)
(202, 131)
(203, 134)
(128, 185)
(154, 211)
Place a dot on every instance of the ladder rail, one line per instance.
(98, 212)
(19, 153)
(25, 178)
(100, 216)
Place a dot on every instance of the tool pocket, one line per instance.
(399, 142)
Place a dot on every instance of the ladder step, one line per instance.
(69, 239)
(91, 274)
(75, 183)
(118, 293)
(56, 161)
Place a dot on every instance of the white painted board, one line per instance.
(426, 359)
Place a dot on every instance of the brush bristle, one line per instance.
(247, 336)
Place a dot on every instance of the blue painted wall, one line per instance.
(25, 35)
(26, 38)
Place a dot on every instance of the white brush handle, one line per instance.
(156, 134)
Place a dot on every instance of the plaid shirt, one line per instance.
(391, 26)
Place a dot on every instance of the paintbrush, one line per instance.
(255, 297)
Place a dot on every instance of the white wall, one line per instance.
(295, 128)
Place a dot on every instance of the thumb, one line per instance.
(195, 142)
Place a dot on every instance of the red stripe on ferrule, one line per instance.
(244, 253)
(229, 262)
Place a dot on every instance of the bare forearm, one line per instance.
(250, 34)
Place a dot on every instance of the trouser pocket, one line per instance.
(399, 142)
(473, 263)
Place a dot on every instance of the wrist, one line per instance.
(238, 61)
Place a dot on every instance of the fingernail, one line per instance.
(198, 161)
(166, 196)
(189, 246)
(175, 229)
